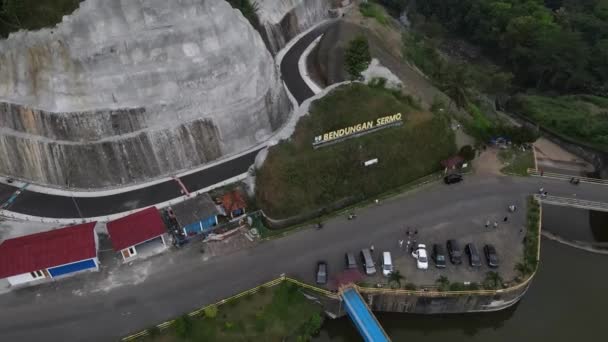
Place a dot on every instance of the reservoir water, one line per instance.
(567, 300)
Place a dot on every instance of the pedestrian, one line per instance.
(407, 232)
(400, 244)
(495, 224)
(542, 172)
(521, 230)
(505, 219)
(545, 194)
(371, 248)
(416, 232)
(487, 224)
(541, 190)
(376, 201)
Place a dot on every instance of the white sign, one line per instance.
(371, 162)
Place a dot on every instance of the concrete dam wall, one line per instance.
(284, 19)
(126, 90)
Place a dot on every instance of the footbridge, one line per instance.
(363, 318)
(573, 202)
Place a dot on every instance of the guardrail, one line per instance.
(573, 202)
(553, 175)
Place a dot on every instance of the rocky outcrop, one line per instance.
(285, 19)
(126, 90)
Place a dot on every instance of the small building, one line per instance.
(233, 204)
(49, 255)
(139, 234)
(197, 215)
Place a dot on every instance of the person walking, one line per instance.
(487, 224)
(400, 244)
(495, 224)
(371, 248)
(505, 219)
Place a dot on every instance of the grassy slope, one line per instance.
(296, 178)
(36, 14)
(517, 162)
(581, 117)
(274, 315)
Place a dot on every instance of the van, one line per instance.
(367, 261)
(387, 263)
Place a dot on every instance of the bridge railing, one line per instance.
(535, 172)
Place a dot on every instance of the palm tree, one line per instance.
(443, 283)
(493, 280)
(395, 277)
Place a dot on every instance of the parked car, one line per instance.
(491, 256)
(321, 272)
(452, 178)
(438, 256)
(387, 263)
(368, 262)
(351, 262)
(454, 252)
(422, 261)
(474, 259)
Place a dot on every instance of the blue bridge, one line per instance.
(362, 316)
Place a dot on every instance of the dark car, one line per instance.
(438, 256)
(474, 259)
(454, 252)
(452, 178)
(321, 272)
(491, 256)
(351, 262)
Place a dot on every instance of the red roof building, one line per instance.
(41, 253)
(233, 203)
(129, 231)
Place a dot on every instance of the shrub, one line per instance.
(357, 57)
(467, 152)
(183, 326)
(313, 325)
(210, 311)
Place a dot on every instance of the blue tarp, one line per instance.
(199, 227)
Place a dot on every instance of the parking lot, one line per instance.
(463, 221)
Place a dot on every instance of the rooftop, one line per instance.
(136, 228)
(195, 209)
(47, 249)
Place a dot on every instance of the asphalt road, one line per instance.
(181, 281)
(54, 206)
(45, 205)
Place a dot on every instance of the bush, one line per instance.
(183, 326)
(313, 325)
(210, 311)
(372, 10)
(467, 152)
(357, 57)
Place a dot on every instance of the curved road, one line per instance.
(55, 206)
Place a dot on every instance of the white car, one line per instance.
(422, 260)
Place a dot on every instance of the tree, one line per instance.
(395, 277)
(457, 84)
(357, 57)
(492, 281)
(467, 152)
(443, 283)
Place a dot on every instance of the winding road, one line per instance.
(83, 308)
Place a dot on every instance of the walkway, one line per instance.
(368, 326)
(574, 202)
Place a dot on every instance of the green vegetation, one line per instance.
(33, 14)
(249, 10)
(395, 278)
(580, 117)
(559, 45)
(530, 259)
(443, 284)
(493, 281)
(371, 10)
(277, 314)
(296, 178)
(357, 57)
(516, 161)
